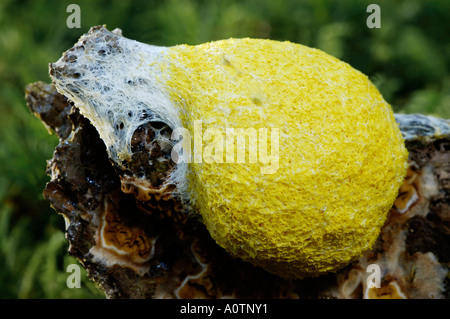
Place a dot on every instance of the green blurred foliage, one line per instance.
(408, 59)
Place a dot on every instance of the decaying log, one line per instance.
(132, 249)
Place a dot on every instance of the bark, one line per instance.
(136, 249)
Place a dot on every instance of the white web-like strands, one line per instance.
(116, 83)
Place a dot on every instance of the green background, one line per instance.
(408, 59)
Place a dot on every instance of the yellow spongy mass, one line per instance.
(341, 157)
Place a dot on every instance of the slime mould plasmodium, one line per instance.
(340, 157)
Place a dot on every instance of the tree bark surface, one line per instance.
(132, 252)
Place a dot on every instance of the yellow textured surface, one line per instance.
(342, 158)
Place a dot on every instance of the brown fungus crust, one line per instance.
(146, 174)
(135, 240)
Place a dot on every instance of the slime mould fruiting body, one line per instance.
(339, 163)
